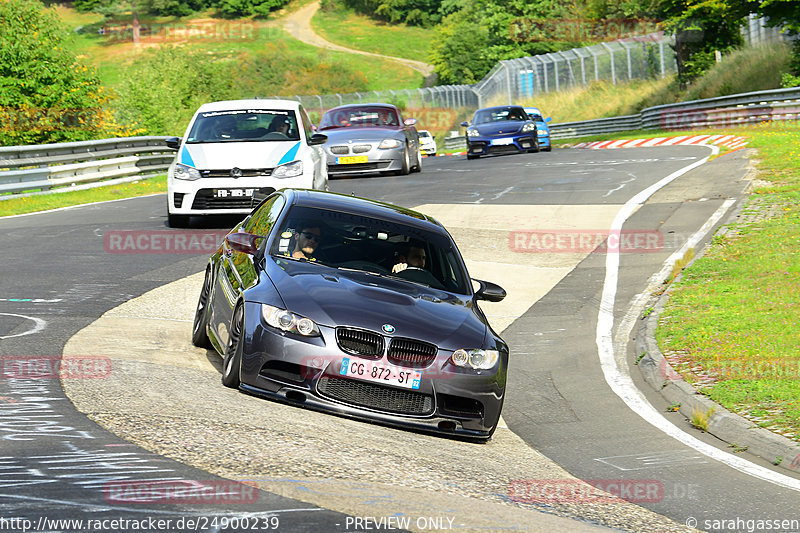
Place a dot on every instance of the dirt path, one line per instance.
(298, 24)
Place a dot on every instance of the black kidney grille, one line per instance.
(359, 342)
(376, 397)
(411, 352)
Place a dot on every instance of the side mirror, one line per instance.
(410, 121)
(489, 291)
(173, 142)
(242, 242)
(317, 138)
(465, 124)
(548, 119)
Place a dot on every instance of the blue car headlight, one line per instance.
(528, 127)
(475, 359)
(472, 132)
(288, 170)
(183, 172)
(288, 321)
(542, 133)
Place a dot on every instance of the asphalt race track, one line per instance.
(146, 409)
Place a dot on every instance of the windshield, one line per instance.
(244, 125)
(360, 116)
(498, 114)
(355, 242)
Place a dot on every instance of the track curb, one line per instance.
(740, 434)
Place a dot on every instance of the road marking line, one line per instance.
(622, 384)
(38, 325)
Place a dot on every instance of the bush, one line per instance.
(46, 95)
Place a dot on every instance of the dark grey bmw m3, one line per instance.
(355, 307)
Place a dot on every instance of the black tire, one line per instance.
(472, 156)
(177, 221)
(199, 334)
(406, 169)
(549, 149)
(418, 166)
(232, 363)
(535, 147)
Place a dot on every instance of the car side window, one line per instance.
(264, 218)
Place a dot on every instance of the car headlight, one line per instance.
(288, 321)
(476, 359)
(182, 172)
(389, 143)
(288, 170)
(542, 133)
(529, 127)
(472, 132)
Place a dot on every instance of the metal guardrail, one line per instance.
(42, 167)
(46, 166)
(724, 111)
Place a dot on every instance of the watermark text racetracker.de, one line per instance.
(585, 241)
(55, 367)
(147, 523)
(162, 241)
(180, 491)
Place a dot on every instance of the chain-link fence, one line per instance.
(633, 58)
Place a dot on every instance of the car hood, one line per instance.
(373, 133)
(333, 297)
(262, 154)
(500, 127)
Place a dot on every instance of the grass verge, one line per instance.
(43, 202)
(731, 324)
(345, 27)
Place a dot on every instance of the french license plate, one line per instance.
(349, 160)
(233, 193)
(380, 373)
(503, 141)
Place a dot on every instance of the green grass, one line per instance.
(112, 53)
(43, 202)
(345, 27)
(731, 323)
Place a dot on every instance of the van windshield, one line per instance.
(244, 125)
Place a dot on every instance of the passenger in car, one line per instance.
(410, 254)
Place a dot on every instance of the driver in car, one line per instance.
(412, 254)
(306, 241)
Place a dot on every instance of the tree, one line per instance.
(46, 94)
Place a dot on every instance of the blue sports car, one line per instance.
(500, 130)
(542, 129)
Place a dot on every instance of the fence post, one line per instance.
(613, 71)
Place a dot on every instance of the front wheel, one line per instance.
(418, 165)
(199, 334)
(406, 168)
(232, 363)
(472, 156)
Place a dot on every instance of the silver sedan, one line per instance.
(370, 138)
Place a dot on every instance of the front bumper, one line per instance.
(205, 196)
(500, 145)
(305, 371)
(428, 150)
(374, 160)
